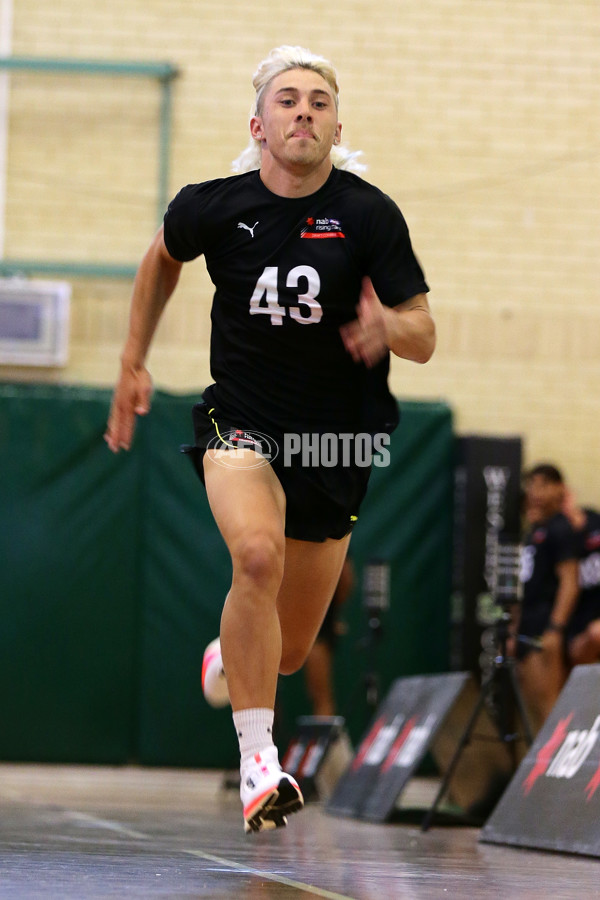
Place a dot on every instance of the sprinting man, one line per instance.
(316, 282)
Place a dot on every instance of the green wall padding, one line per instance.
(69, 519)
(113, 576)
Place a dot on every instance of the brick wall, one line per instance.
(479, 118)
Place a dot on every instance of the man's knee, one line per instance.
(292, 659)
(259, 558)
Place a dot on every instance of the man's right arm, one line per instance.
(155, 281)
(567, 593)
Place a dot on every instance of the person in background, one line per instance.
(583, 632)
(550, 590)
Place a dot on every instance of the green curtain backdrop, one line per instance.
(69, 580)
(113, 574)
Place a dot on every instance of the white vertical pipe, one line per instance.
(6, 27)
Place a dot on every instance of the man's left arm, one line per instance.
(408, 329)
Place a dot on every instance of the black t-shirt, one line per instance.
(589, 558)
(546, 545)
(287, 274)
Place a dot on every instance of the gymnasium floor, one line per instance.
(91, 832)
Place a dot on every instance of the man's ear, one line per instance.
(256, 128)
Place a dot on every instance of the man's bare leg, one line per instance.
(584, 648)
(248, 505)
(311, 573)
(542, 676)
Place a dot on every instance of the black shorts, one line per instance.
(321, 502)
(534, 621)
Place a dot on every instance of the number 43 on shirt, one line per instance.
(265, 299)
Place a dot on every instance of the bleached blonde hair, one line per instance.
(279, 60)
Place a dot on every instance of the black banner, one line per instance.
(553, 802)
(401, 732)
(486, 510)
(318, 754)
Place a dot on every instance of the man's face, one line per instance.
(298, 121)
(543, 498)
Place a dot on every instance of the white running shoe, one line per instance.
(268, 794)
(214, 683)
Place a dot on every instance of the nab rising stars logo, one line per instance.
(397, 743)
(322, 228)
(563, 755)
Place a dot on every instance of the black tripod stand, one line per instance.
(499, 688)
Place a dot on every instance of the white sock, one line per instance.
(254, 728)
